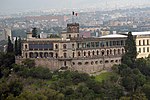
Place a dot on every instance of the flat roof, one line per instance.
(114, 36)
(139, 33)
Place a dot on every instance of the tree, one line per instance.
(16, 47)
(7, 59)
(132, 79)
(10, 46)
(19, 46)
(130, 48)
(15, 87)
(146, 90)
(139, 95)
(34, 32)
(143, 65)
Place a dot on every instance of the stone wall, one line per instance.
(82, 65)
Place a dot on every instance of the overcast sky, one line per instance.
(8, 6)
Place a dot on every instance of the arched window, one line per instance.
(31, 54)
(41, 54)
(112, 61)
(96, 62)
(25, 46)
(50, 54)
(101, 62)
(93, 53)
(73, 63)
(97, 52)
(26, 55)
(114, 52)
(69, 36)
(84, 53)
(79, 54)
(107, 52)
(79, 63)
(86, 63)
(56, 46)
(65, 63)
(89, 53)
(72, 45)
(45, 54)
(103, 53)
(36, 54)
(92, 62)
(73, 54)
(64, 46)
(106, 61)
(65, 55)
(56, 55)
(122, 51)
(110, 51)
(119, 51)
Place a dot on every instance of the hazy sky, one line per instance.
(8, 6)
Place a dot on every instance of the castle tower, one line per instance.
(73, 30)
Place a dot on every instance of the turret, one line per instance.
(29, 35)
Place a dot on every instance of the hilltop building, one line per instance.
(70, 51)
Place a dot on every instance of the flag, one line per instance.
(73, 13)
(76, 14)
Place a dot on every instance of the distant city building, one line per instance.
(4, 33)
(43, 35)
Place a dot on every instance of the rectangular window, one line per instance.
(88, 45)
(144, 49)
(41, 46)
(121, 42)
(102, 44)
(72, 45)
(114, 43)
(118, 42)
(92, 44)
(147, 49)
(110, 43)
(139, 50)
(139, 42)
(107, 44)
(147, 42)
(83, 45)
(78, 45)
(143, 42)
(97, 44)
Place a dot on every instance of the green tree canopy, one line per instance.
(9, 46)
(130, 48)
(34, 32)
(16, 47)
(19, 46)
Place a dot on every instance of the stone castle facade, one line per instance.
(72, 52)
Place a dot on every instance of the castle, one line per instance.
(70, 51)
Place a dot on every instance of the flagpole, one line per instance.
(73, 17)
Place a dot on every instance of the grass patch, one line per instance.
(104, 76)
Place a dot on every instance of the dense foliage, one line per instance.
(10, 48)
(30, 82)
(25, 82)
(34, 32)
(17, 48)
(130, 49)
